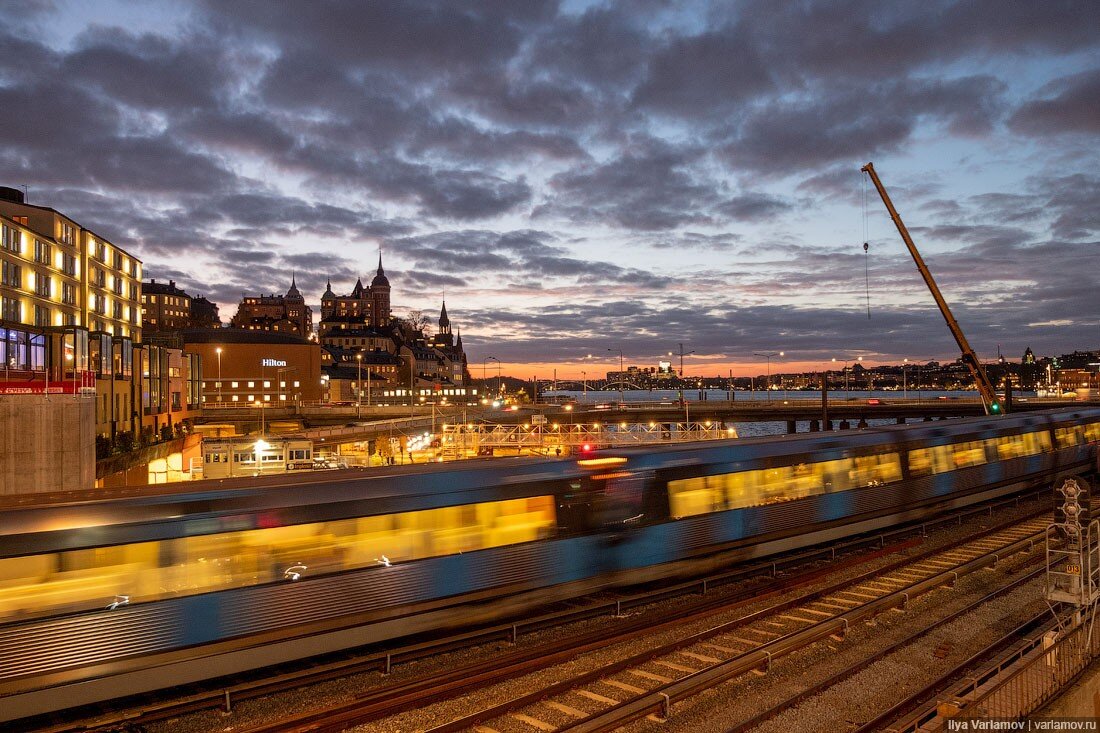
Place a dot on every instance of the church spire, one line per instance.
(380, 277)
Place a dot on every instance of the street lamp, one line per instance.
(218, 351)
(263, 423)
(620, 373)
(846, 363)
(359, 387)
(484, 366)
(904, 381)
(768, 355)
(681, 354)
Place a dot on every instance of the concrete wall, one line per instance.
(47, 443)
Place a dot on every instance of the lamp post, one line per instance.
(846, 363)
(681, 353)
(218, 351)
(768, 355)
(584, 385)
(359, 387)
(263, 423)
(620, 374)
(904, 381)
(484, 367)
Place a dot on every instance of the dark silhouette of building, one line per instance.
(204, 314)
(363, 307)
(280, 313)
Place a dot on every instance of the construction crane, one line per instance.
(992, 405)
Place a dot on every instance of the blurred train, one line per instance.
(104, 598)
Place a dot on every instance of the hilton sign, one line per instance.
(272, 363)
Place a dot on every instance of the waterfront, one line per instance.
(773, 427)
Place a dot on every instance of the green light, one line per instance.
(995, 408)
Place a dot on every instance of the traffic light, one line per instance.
(995, 408)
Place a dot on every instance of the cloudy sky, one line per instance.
(585, 176)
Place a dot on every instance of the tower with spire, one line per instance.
(380, 296)
(366, 307)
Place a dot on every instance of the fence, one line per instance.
(1039, 677)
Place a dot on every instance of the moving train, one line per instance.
(113, 596)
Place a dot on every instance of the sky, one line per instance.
(583, 178)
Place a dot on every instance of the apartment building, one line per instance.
(54, 272)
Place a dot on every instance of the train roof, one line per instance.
(207, 507)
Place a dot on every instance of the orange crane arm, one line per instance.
(985, 387)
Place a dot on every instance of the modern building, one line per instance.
(229, 457)
(47, 409)
(245, 367)
(277, 313)
(54, 272)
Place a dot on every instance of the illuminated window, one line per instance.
(42, 252)
(11, 239)
(11, 275)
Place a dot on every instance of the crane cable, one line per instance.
(866, 247)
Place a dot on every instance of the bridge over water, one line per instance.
(347, 424)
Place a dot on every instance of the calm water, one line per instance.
(756, 429)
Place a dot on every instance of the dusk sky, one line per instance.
(583, 176)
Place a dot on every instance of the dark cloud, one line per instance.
(688, 167)
(754, 207)
(711, 73)
(651, 186)
(148, 71)
(1071, 109)
(853, 123)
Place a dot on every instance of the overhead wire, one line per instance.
(866, 247)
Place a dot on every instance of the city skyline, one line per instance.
(582, 177)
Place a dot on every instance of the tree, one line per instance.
(417, 323)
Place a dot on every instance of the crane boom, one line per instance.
(985, 387)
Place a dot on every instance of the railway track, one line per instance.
(650, 682)
(941, 682)
(921, 711)
(782, 573)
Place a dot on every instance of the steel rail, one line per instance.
(862, 664)
(660, 700)
(388, 701)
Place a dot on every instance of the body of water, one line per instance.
(773, 427)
